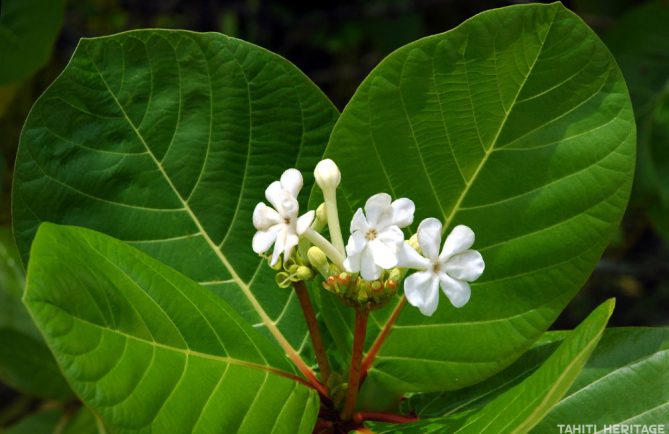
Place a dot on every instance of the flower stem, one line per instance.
(319, 241)
(361, 315)
(330, 196)
(383, 417)
(314, 331)
(371, 355)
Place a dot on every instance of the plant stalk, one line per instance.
(314, 331)
(330, 196)
(361, 315)
(371, 355)
(330, 251)
(362, 416)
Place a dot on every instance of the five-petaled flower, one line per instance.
(451, 269)
(280, 225)
(376, 237)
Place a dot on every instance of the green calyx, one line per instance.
(354, 291)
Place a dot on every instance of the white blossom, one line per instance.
(376, 237)
(327, 174)
(451, 269)
(280, 225)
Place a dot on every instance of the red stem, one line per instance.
(362, 416)
(361, 316)
(314, 331)
(371, 355)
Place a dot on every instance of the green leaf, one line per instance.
(518, 124)
(167, 140)
(442, 404)
(40, 422)
(520, 408)
(28, 30)
(630, 364)
(26, 363)
(57, 421)
(152, 351)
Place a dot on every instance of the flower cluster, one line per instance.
(369, 268)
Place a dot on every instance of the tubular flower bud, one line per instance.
(318, 260)
(327, 175)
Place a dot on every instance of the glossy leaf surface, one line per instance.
(167, 140)
(521, 407)
(518, 124)
(26, 364)
(152, 351)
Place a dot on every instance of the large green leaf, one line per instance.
(520, 408)
(518, 124)
(152, 351)
(28, 29)
(167, 140)
(26, 363)
(630, 364)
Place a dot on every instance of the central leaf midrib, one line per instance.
(280, 338)
(456, 207)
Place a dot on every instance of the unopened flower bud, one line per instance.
(413, 242)
(321, 218)
(327, 175)
(318, 260)
(376, 286)
(304, 273)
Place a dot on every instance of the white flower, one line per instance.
(280, 224)
(451, 269)
(376, 238)
(327, 174)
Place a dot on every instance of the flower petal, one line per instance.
(279, 245)
(403, 210)
(422, 291)
(392, 236)
(467, 265)
(429, 237)
(274, 195)
(408, 257)
(291, 241)
(376, 209)
(368, 268)
(460, 239)
(458, 291)
(384, 255)
(356, 243)
(291, 181)
(359, 222)
(304, 222)
(264, 217)
(263, 240)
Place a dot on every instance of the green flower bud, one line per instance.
(321, 218)
(318, 260)
(304, 273)
(413, 242)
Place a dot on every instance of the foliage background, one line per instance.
(336, 44)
